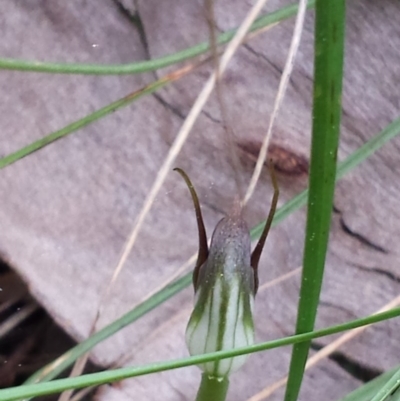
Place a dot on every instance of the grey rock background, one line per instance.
(66, 210)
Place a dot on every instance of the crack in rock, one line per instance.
(169, 106)
(361, 238)
(354, 368)
(378, 270)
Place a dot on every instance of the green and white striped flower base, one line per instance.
(222, 316)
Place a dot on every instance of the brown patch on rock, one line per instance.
(284, 160)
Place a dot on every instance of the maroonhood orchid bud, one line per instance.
(225, 280)
(222, 318)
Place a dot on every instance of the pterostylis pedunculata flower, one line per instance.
(225, 281)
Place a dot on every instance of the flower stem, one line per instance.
(212, 388)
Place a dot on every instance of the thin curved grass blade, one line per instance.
(370, 389)
(149, 65)
(83, 122)
(390, 390)
(94, 379)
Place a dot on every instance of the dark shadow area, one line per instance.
(29, 338)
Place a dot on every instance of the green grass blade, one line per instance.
(370, 147)
(391, 386)
(83, 122)
(59, 365)
(395, 396)
(33, 390)
(328, 75)
(145, 66)
(368, 390)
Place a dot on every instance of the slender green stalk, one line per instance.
(328, 74)
(64, 361)
(392, 386)
(212, 388)
(94, 379)
(145, 66)
(83, 122)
